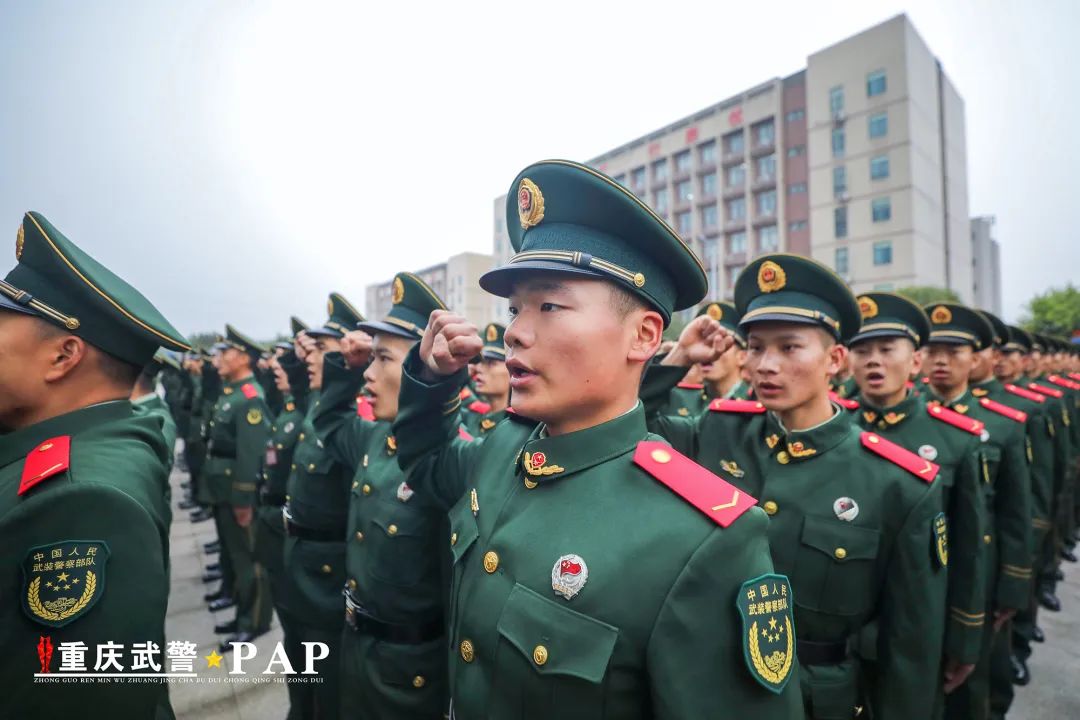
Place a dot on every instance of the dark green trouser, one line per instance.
(389, 680)
(971, 701)
(1001, 686)
(270, 553)
(228, 574)
(252, 586)
(1023, 625)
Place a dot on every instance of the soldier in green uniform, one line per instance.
(678, 614)
(884, 354)
(393, 650)
(145, 400)
(239, 427)
(291, 379)
(491, 380)
(82, 479)
(720, 377)
(957, 334)
(854, 516)
(315, 515)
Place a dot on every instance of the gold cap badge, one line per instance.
(20, 238)
(867, 307)
(492, 333)
(530, 204)
(771, 277)
(715, 311)
(940, 315)
(397, 293)
(330, 307)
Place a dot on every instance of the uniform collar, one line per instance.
(17, 444)
(543, 459)
(798, 445)
(144, 399)
(989, 386)
(875, 418)
(961, 404)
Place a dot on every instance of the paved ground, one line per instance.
(1053, 693)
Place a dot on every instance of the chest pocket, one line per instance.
(835, 567)
(463, 531)
(402, 549)
(989, 462)
(551, 660)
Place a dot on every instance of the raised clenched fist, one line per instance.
(449, 342)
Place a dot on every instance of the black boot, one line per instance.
(1059, 574)
(1049, 601)
(225, 628)
(222, 603)
(201, 515)
(211, 576)
(216, 595)
(226, 644)
(187, 504)
(1021, 676)
(212, 547)
(213, 567)
(1067, 554)
(1037, 634)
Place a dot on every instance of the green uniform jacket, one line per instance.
(958, 452)
(396, 556)
(106, 504)
(582, 586)
(152, 404)
(687, 400)
(870, 571)
(238, 429)
(1007, 488)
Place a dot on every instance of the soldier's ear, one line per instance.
(65, 353)
(837, 355)
(648, 334)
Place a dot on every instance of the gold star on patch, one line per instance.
(213, 659)
(62, 577)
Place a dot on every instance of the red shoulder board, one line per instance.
(249, 390)
(965, 423)
(465, 392)
(44, 461)
(479, 406)
(897, 455)
(738, 406)
(1050, 392)
(511, 410)
(463, 433)
(1026, 394)
(721, 501)
(1075, 376)
(364, 408)
(909, 385)
(847, 403)
(1058, 380)
(1011, 413)
(690, 386)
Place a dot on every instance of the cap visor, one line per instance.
(500, 281)
(376, 326)
(874, 334)
(784, 318)
(489, 354)
(8, 304)
(324, 332)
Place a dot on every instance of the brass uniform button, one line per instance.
(453, 538)
(986, 539)
(418, 681)
(294, 466)
(468, 653)
(770, 507)
(540, 655)
(491, 561)
(301, 436)
(840, 553)
(311, 467)
(355, 483)
(392, 530)
(661, 456)
(782, 457)
(228, 471)
(359, 536)
(280, 446)
(352, 583)
(326, 569)
(366, 489)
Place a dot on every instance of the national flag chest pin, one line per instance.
(404, 492)
(568, 575)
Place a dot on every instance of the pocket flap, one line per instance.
(840, 540)
(555, 639)
(396, 524)
(463, 532)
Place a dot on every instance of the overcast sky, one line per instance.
(236, 161)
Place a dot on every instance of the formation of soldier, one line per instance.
(812, 504)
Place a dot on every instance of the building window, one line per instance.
(659, 171)
(736, 243)
(881, 209)
(840, 221)
(768, 239)
(733, 274)
(797, 226)
(875, 83)
(838, 142)
(765, 167)
(709, 217)
(764, 134)
(682, 162)
(684, 221)
(684, 191)
(711, 256)
(733, 143)
(637, 179)
(879, 125)
(840, 261)
(736, 209)
(796, 151)
(883, 252)
(796, 188)
(660, 200)
(795, 115)
(836, 100)
(879, 167)
(839, 181)
(707, 153)
(765, 203)
(708, 184)
(884, 287)
(736, 175)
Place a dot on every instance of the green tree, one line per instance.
(926, 294)
(1055, 312)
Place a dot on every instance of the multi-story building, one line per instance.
(456, 281)
(986, 264)
(858, 160)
